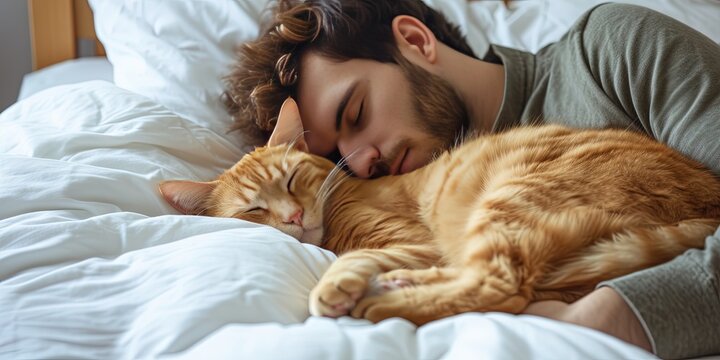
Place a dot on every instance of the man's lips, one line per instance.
(397, 164)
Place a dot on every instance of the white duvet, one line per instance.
(93, 263)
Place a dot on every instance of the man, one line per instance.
(387, 84)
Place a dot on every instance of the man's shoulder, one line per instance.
(611, 24)
(612, 17)
(606, 27)
(613, 12)
(611, 32)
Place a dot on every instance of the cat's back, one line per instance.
(621, 171)
(557, 151)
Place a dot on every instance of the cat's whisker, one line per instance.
(336, 182)
(331, 190)
(329, 184)
(332, 174)
(324, 185)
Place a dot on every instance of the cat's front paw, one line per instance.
(337, 294)
(379, 307)
(383, 300)
(404, 293)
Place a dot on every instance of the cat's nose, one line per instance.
(295, 218)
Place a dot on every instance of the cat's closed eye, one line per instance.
(290, 183)
(253, 210)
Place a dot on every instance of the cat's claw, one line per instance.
(380, 286)
(345, 307)
(400, 283)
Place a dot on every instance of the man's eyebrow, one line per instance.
(343, 104)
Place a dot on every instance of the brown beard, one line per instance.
(441, 113)
(439, 109)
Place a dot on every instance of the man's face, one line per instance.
(376, 118)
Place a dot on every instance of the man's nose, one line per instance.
(359, 158)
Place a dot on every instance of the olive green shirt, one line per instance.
(629, 67)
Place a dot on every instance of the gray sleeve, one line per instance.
(678, 302)
(666, 77)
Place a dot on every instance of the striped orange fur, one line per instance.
(533, 213)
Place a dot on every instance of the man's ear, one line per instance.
(413, 36)
(187, 197)
(289, 127)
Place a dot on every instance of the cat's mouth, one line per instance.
(312, 236)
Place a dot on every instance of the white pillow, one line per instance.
(531, 25)
(177, 52)
(66, 72)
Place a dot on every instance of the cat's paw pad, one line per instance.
(380, 286)
(337, 294)
(396, 284)
(389, 281)
(398, 278)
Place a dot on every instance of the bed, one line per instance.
(94, 264)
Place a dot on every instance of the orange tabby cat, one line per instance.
(533, 213)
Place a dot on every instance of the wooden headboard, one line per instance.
(59, 29)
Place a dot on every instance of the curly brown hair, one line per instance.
(267, 69)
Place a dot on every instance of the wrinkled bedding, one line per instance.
(94, 264)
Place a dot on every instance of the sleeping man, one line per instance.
(392, 83)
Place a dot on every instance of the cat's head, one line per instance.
(280, 185)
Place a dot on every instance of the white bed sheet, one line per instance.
(92, 266)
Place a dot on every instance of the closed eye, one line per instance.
(290, 183)
(250, 213)
(359, 115)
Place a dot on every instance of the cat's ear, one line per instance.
(289, 127)
(187, 197)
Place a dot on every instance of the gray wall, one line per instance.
(15, 57)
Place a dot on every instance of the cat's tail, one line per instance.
(624, 252)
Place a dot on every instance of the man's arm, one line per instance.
(678, 303)
(666, 77)
(603, 310)
(680, 324)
